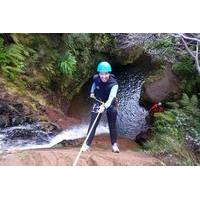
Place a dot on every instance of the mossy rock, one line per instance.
(161, 85)
(128, 55)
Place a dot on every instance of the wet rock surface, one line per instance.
(24, 121)
(13, 114)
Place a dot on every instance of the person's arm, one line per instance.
(92, 90)
(93, 87)
(112, 95)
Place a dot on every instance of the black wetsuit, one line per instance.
(102, 92)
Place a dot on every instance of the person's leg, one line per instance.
(92, 133)
(112, 117)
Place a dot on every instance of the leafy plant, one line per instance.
(163, 48)
(67, 65)
(184, 67)
(12, 59)
(177, 130)
(164, 42)
(3, 58)
(77, 42)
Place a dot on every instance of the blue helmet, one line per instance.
(104, 67)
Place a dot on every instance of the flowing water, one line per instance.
(30, 136)
(130, 121)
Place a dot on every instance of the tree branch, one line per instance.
(187, 48)
(189, 38)
(197, 57)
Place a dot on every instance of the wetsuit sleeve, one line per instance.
(93, 87)
(112, 95)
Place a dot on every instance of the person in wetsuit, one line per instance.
(104, 88)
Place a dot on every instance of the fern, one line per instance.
(189, 78)
(2, 53)
(177, 130)
(194, 101)
(184, 67)
(78, 41)
(67, 65)
(185, 101)
(11, 72)
(12, 59)
(16, 55)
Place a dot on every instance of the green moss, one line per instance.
(43, 118)
(185, 69)
(127, 56)
(155, 75)
(102, 42)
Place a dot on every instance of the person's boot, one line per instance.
(85, 148)
(115, 148)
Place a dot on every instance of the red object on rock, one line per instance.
(156, 108)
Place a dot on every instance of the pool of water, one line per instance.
(131, 116)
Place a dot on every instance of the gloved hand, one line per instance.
(92, 95)
(101, 109)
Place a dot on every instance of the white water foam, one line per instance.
(68, 134)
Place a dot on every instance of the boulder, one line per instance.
(128, 55)
(4, 121)
(162, 87)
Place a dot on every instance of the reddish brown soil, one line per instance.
(99, 155)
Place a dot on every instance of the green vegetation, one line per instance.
(185, 69)
(155, 75)
(163, 42)
(67, 64)
(163, 48)
(177, 131)
(58, 64)
(12, 59)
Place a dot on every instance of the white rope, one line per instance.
(77, 157)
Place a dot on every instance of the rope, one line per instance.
(79, 154)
